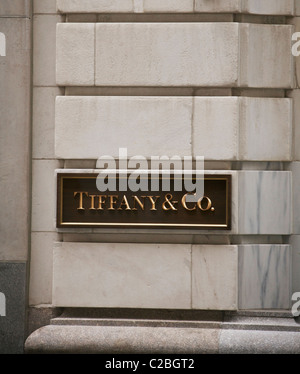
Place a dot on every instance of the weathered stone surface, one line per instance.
(12, 325)
(295, 95)
(297, 7)
(43, 121)
(94, 6)
(44, 49)
(45, 7)
(295, 259)
(256, 128)
(15, 139)
(40, 316)
(43, 195)
(265, 202)
(268, 332)
(259, 342)
(41, 267)
(166, 54)
(75, 54)
(261, 64)
(265, 129)
(15, 8)
(264, 276)
(122, 340)
(181, 54)
(273, 7)
(211, 116)
(183, 6)
(90, 127)
(295, 169)
(216, 6)
(214, 277)
(106, 275)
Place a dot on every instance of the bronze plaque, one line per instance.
(81, 204)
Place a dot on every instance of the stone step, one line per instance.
(76, 339)
(238, 333)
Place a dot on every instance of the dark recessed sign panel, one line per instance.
(81, 204)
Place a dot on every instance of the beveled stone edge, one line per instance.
(142, 339)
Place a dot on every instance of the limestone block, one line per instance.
(14, 138)
(217, 6)
(13, 8)
(272, 7)
(90, 127)
(214, 277)
(223, 128)
(45, 7)
(266, 59)
(175, 54)
(230, 128)
(75, 54)
(165, 54)
(41, 267)
(122, 275)
(43, 195)
(265, 129)
(94, 6)
(44, 121)
(44, 50)
(138, 6)
(215, 127)
(182, 6)
(264, 277)
(297, 7)
(265, 202)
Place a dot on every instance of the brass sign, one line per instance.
(81, 204)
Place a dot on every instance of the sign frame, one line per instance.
(61, 224)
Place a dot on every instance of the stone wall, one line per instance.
(15, 123)
(174, 77)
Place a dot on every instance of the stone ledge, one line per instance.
(271, 332)
(122, 340)
(133, 323)
(281, 7)
(259, 342)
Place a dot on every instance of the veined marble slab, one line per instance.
(214, 277)
(264, 276)
(295, 244)
(265, 202)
